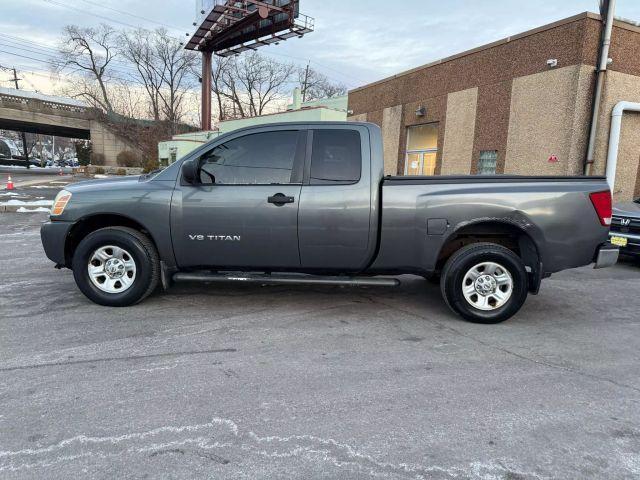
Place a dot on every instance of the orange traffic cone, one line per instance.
(10, 183)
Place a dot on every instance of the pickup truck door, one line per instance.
(245, 212)
(334, 220)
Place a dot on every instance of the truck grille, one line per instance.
(618, 224)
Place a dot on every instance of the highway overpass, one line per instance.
(31, 112)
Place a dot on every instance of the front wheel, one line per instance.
(484, 283)
(116, 266)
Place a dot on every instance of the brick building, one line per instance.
(521, 105)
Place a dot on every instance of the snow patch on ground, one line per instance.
(33, 168)
(9, 194)
(99, 175)
(31, 210)
(34, 203)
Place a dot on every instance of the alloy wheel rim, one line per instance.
(112, 269)
(487, 286)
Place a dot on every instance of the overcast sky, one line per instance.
(355, 42)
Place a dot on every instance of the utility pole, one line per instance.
(24, 136)
(306, 81)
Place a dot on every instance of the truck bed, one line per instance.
(422, 214)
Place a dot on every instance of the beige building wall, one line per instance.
(618, 87)
(457, 151)
(106, 142)
(358, 118)
(581, 120)
(543, 122)
(391, 124)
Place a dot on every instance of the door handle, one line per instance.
(280, 199)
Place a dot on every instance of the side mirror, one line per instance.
(190, 172)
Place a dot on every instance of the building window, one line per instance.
(487, 162)
(422, 149)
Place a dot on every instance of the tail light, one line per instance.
(602, 203)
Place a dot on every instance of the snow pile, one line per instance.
(35, 203)
(9, 194)
(31, 210)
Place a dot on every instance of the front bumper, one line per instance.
(606, 256)
(633, 242)
(54, 237)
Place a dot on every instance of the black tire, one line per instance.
(144, 255)
(462, 261)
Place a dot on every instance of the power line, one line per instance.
(85, 12)
(135, 16)
(43, 48)
(112, 20)
(26, 70)
(109, 19)
(48, 62)
(318, 64)
(52, 60)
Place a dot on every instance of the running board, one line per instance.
(285, 279)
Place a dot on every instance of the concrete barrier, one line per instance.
(110, 170)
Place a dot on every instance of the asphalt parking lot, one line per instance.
(297, 382)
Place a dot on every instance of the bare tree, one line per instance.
(163, 68)
(250, 85)
(315, 85)
(136, 47)
(176, 66)
(263, 80)
(89, 52)
(223, 86)
(127, 99)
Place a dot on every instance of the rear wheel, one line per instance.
(116, 266)
(484, 283)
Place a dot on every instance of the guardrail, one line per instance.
(43, 104)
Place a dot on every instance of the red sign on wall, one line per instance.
(553, 159)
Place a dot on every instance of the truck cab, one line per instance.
(278, 198)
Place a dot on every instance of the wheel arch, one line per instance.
(508, 234)
(91, 223)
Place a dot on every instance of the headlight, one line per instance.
(60, 202)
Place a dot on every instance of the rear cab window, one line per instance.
(336, 157)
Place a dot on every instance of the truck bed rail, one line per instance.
(426, 180)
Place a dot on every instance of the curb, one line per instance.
(30, 183)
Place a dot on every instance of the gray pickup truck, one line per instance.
(308, 203)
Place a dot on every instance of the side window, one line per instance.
(255, 159)
(336, 157)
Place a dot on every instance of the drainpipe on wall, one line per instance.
(597, 97)
(614, 138)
